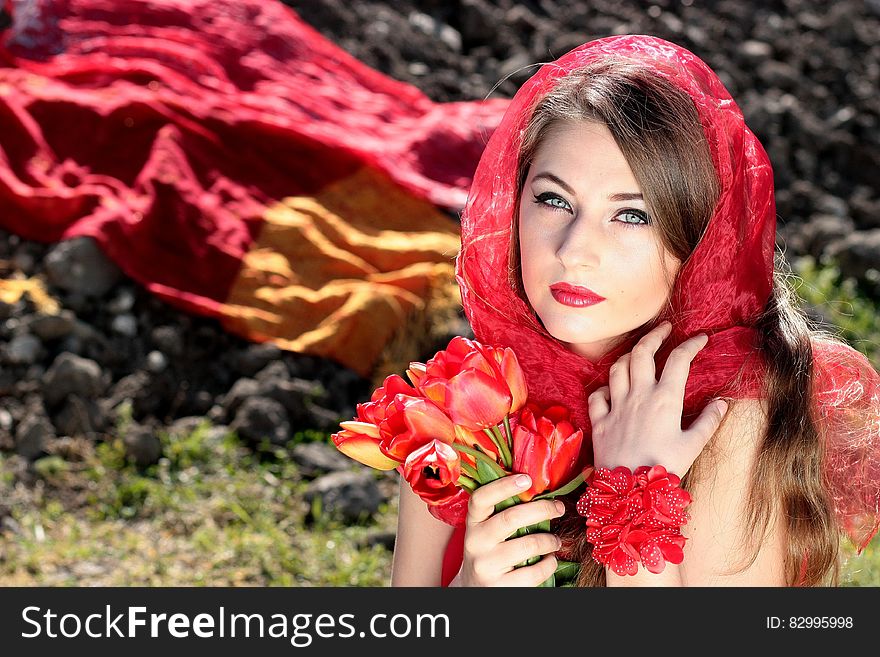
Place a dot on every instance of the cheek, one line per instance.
(643, 281)
(529, 248)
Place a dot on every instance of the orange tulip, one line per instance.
(546, 447)
(360, 441)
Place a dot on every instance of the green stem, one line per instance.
(566, 570)
(499, 447)
(502, 442)
(467, 483)
(564, 490)
(470, 471)
(508, 432)
(480, 457)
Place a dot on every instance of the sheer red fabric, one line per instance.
(721, 289)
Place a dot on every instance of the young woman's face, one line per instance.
(583, 224)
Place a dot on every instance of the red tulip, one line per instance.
(454, 510)
(512, 373)
(410, 423)
(433, 471)
(477, 386)
(373, 411)
(546, 447)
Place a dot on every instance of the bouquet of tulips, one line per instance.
(464, 420)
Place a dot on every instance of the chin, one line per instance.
(578, 331)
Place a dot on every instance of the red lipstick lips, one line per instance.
(574, 295)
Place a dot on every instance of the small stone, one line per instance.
(142, 445)
(156, 361)
(125, 325)
(23, 349)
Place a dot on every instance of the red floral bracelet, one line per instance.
(635, 517)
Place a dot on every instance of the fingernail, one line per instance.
(523, 481)
(560, 507)
(722, 406)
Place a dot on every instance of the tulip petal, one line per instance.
(425, 419)
(363, 449)
(476, 400)
(365, 428)
(416, 373)
(515, 378)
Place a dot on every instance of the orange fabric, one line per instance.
(337, 273)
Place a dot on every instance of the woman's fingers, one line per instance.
(642, 369)
(618, 377)
(705, 426)
(489, 555)
(531, 576)
(504, 524)
(516, 550)
(599, 403)
(483, 500)
(678, 366)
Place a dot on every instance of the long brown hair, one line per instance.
(658, 130)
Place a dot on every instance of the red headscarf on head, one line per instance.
(721, 289)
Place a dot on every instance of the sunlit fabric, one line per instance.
(237, 164)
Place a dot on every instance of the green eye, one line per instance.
(642, 218)
(546, 199)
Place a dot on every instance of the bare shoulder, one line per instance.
(722, 539)
(731, 453)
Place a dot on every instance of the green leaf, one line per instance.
(485, 472)
(567, 570)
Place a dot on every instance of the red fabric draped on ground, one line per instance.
(237, 163)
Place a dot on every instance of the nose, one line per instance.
(581, 243)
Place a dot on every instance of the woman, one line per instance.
(621, 210)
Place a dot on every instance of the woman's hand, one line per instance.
(489, 558)
(637, 419)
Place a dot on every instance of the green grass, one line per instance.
(853, 317)
(214, 512)
(864, 569)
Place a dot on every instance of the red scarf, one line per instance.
(721, 289)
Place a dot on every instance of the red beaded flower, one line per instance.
(635, 518)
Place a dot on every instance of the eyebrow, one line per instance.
(619, 196)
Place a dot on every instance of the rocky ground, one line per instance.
(805, 72)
